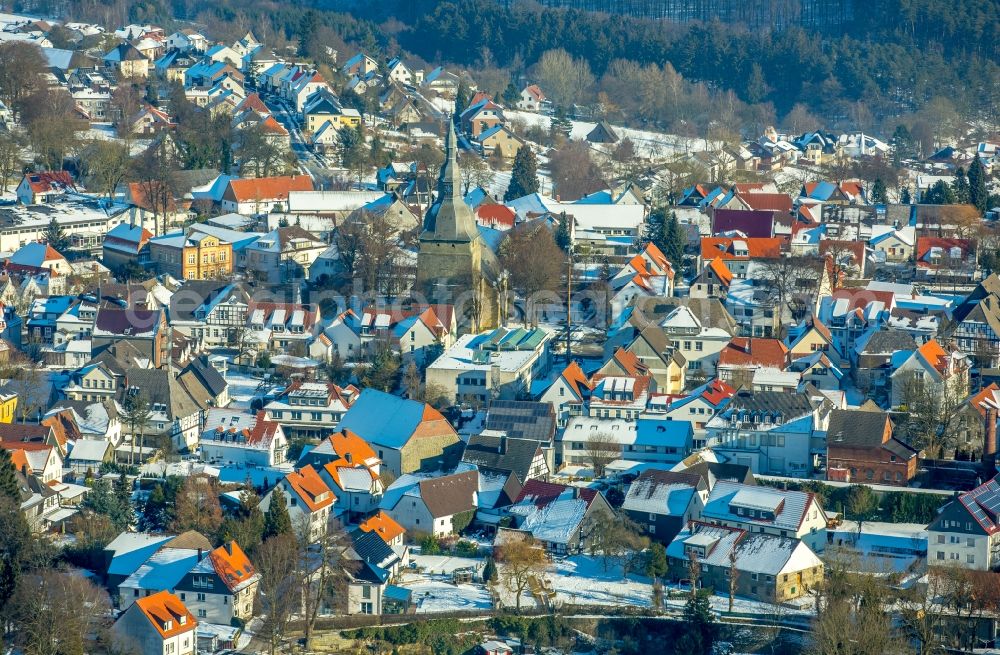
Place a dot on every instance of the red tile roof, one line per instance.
(781, 202)
(267, 188)
(307, 484)
(490, 214)
(748, 351)
(712, 247)
(934, 355)
(232, 564)
(45, 181)
(167, 613)
(383, 525)
(542, 493)
(721, 270)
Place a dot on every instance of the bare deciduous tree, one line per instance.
(600, 450)
(519, 560)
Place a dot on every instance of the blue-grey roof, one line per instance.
(656, 432)
(382, 418)
(58, 58)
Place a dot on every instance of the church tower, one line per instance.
(453, 260)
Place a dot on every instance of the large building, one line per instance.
(192, 255)
(454, 265)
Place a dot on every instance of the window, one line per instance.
(366, 591)
(201, 598)
(940, 538)
(366, 608)
(652, 529)
(971, 559)
(970, 542)
(202, 614)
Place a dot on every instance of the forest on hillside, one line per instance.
(932, 64)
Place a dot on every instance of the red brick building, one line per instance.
(860, 448)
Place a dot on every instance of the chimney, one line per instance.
(349, 457)
(503, 445)
(229, 548)
(201, 554)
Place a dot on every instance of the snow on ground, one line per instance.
(445, 564)
(648, 143)
(242, 388)
(582, 580)
(436, 593)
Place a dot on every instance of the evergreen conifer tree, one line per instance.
(879, 195)
(674, 241)
(523, 175)
(960, 187)
(276, 519)
(904, 196)
(978, 195)
(8, 478)
(562, 232)
(55, 236)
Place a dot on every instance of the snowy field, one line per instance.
(445, 564)
(647, 143)
(436, 594)
(242, 388)
(433, 590)
(582, 580)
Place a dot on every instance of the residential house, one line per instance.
(481, 116)
(966, 532)
(221, 588)
(944, 259)
(143, 329)
(561, 518)
(664, 502)
(875, 352)
(260, 195)
(407, 435)
(700, 405)
(499, 141)
(738, 252)
(385, 527)
(351, 469)
(501, 453)
(773, 432)
(713, 281)
(38, 258)
(310, 502)
(124, 244)
(43, 187)
(309, 409)
(531, 98)
(769, 569)
(930, 369)
(744, 355)
(284, 254)
(157, 625)
(860, 447)
(975, 323)
(649, 274)
(127, 61)
(369, 565)
(433, 505)
(699, 343)
(503, 362)
(194, 254)
(775, 512)
(233, 437)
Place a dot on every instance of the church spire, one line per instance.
(450, 218)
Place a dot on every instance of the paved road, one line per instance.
(310, 163)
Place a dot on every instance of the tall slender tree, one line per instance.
(276, 519)
(523, 174)
(879, 195)
(978, 194)
(8, 479)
